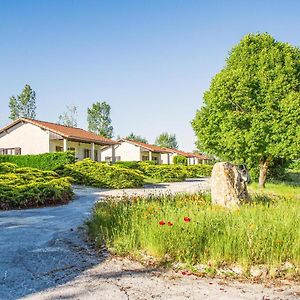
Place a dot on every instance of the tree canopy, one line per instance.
(138, 138)
(251, 112)
(166, 140)
(69, 117)
(99, 121)
(23, 105)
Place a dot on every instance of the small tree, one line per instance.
(23, 105)
(251, 112)
(137, 138)
(99, 121)
(166, 140)
(69, 117)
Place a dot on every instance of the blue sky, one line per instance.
(150, 60)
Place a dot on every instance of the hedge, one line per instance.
(91, 173)
(180, 160)
(165, 173)
(29, 187)
(46, 161)
(195, 171)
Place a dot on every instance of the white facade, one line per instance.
(126, 151)
(30, 138)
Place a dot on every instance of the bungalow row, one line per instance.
(27, 136)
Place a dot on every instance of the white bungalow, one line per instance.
(27, 136)
(128, 150)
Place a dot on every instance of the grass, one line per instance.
(278, 189)
(264, 232)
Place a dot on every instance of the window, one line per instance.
(118, 158)
(86, 153)
(108, 158)
(59, 149)
(10, 151)
(145, 157)
(71, 149)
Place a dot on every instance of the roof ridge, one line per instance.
(52, 123)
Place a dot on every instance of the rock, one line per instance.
(228, 185)
(237, 270)
(286, 266)
(258, 271)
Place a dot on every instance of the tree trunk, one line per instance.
(263, 169)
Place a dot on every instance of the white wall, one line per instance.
(126, 151)
(30, 138)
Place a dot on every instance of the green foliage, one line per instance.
(29, 187)
(137, 138)
(251, 111)
(23, 106)
(69, 117)
(166, 140)
(46, 161)
(99, 120)
(128, 164)
(179, 160)
(91, 173)
(164, 173)
(197, 171)
(264, 232)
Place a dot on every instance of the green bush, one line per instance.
(180, 160)
(128, 164)
(195, 171)
(29, 187)
(46, 161)
(91, 173)
(164, 173)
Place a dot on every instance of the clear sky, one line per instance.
(150, 60)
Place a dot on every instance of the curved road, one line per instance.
(43, 248)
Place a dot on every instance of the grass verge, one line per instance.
(188, 229)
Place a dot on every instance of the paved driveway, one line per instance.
(42, 248)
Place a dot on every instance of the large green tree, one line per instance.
(251, 112)
(23, 105)
(69, 117)
(166, 140)
(138, 138)
(99, 121)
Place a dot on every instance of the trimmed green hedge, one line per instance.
(128, 164)
(180, 160)
(195, 171)
(46, 161)
(91, 173)
(29, 187)
(164, 173)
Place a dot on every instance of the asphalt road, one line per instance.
(42, 248)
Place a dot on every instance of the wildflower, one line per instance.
(170, 223)
(161, 223)
(186, 219)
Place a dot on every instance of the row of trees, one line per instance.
(251, 112)
(98, 118)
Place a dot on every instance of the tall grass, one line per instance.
(264, 232)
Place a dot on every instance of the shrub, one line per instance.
(189, 229)
(88, 172)
(180, 160)
(164, 173)
(29, 187)
(128, 164)
(195, 171)
(46, 161)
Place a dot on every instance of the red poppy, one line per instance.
(170, 223)
(161, 222)
(186, 219)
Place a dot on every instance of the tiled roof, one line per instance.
(72, 133)
(152, 148)
(187, 154)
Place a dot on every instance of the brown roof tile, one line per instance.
(152, 148)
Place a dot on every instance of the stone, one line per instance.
(228, 185)
(258, 271)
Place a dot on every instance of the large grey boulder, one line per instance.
(228, 185)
